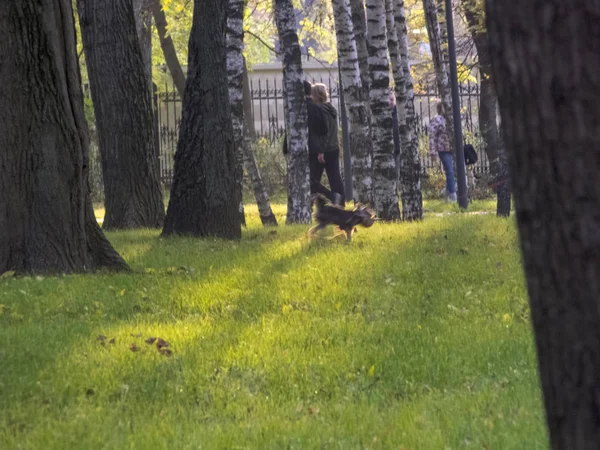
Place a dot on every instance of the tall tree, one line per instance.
(356, 103)
(47, 222)
(488, 105)
(409, 161)
(143, 25)
(123, 109)
(168, 47)
(299, 210)
(385, 177)
(359, 27)
(204, 196)
(237, 77)
(545, 58)
(433, 12)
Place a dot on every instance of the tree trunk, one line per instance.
(205, 195)
(260, 193)
(248, 113)
(488, 124)
(143, 26)
(488, 106)
(409, 161)
(235, 77)
(385, 177)
(47, 222)
(503, 182)
(440, 65)
(356, 103)
(296, 115)
(123, 108)
(545, 58)
(359, 27)
(168, 48)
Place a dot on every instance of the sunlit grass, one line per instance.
(413, 336)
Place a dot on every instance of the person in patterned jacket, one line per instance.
(439, 147)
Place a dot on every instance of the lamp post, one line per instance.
(461, 172)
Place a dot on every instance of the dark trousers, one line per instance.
(332, 168)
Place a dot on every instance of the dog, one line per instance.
(346, 220)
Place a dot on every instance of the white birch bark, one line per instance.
(409, 163)
(385, 184)
(299, 209)
(356, 102)
(440, 62)
(235, 74)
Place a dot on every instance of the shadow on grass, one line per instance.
(402, 313)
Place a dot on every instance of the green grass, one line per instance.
(414, 336)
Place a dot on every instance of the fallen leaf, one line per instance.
(150, 340)
(134, 348)
(165, 351)
(101, 338)
(8, 274)
(372, 371)
(137, 335)
(161, 343)
(314, 410)
(89, 392)
(112, 341)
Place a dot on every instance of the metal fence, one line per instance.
(268, 119)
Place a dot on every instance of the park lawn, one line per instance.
(414, 336)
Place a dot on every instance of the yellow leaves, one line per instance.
(371, 371)
(286, 309)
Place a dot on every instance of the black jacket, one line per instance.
(329, 143)
(317, 129)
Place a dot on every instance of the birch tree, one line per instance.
(409, 162)
(359, 26)
(385, 184)
(356, 103)
(299, 210)
(440, 61)
(235, 75)
(545, 59)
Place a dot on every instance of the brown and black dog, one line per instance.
(345, 220)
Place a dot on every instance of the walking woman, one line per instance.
(329, 158)
(439, 146)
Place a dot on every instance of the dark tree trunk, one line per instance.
(488, 110)
(47, 222)
(503, 184)
(123, 108)
(143, 25)
(546, 57)
(168, 47)
(204, 196)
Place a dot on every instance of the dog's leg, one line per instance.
(311, 233)
(338, 232)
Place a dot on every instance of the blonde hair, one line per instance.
(319, 93)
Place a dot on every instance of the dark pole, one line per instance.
(458, 137)
(345, 143)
